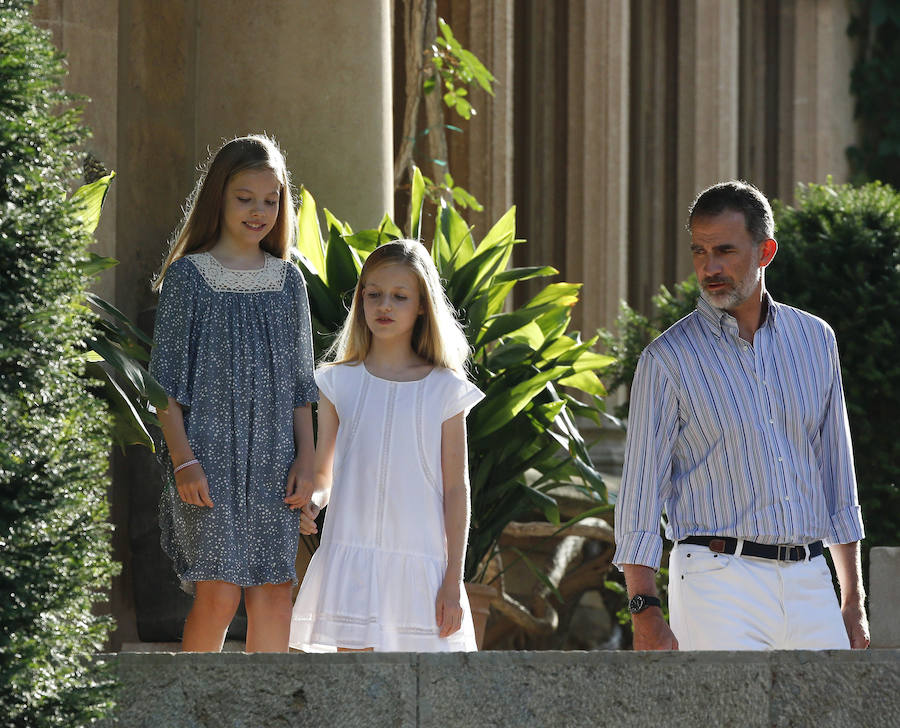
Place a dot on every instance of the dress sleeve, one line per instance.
(305, 389)
(460, 396)
(171, 360)
(325, 380)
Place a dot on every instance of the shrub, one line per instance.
(54, 534)
(839, 258)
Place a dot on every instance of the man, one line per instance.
(738, 429)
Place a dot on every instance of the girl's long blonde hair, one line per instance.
(437, 336)
(201, 226)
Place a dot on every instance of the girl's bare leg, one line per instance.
(215, 603)
(268, 617)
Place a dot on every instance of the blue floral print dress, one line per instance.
(234, 349)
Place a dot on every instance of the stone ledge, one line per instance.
(821, 689)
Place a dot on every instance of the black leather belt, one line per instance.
(728, 545)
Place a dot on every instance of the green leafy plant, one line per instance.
(54, 532)
(441, 71)
(117, 348)
(524, 440)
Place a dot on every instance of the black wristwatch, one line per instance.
(639, 602)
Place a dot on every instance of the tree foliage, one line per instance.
(839, 258)
(54, 535)
(875, 82)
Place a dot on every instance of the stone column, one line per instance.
(481, 158)
(652, 214)
(815, 105)
(315, 74)
(87, 32)
(540, 114)
(884, 590)
(597, 158)
(707, 107)
(758, 151)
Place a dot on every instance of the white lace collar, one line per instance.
(230, 280)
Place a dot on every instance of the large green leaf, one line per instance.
(494, 412)
(505, 323)
(562, 294)
(95, 264)
(522, 274)
(458, 236)
(417, 200)
(325, 303)
(88, 201)
(128, 426)
(472, 278)
(120, 317)
(586, 381)
(139, 378)
(503, 232)
(309, 235)
(341, 264)
(389, 227)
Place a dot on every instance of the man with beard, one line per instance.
(738, 429)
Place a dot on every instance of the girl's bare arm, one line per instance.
(454, 469)
(190, 481)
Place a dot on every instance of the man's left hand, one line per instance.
(856, 623)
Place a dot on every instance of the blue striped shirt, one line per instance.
(734, 439)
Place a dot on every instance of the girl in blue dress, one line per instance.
(233, 350)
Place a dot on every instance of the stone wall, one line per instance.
(822, 689)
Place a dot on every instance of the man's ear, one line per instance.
(767, 251)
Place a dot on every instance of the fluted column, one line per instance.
(651, 258)
(708, 85)
(481, 158)
(815, 105)
(597, 158)
(87, 32)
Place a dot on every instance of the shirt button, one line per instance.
(780, 460)
(771, 422)
(787, 497)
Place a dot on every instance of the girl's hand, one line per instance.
(447, 608)
(192, 486)
(308, 519)
(299, 485)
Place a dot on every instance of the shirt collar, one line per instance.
(718, 319)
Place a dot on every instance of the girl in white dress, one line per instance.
(391, 463)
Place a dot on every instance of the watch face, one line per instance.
(636, 604)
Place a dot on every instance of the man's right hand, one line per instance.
(651, 632)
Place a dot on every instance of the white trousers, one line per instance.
(722, 602)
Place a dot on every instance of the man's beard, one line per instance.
(732, 297)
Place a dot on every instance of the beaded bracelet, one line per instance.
(186, 465)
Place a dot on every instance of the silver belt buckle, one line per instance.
(786, 553)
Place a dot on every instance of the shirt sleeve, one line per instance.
(646, 475)
(461, 396)
(838, 473)
(171, 358)
(305, 389)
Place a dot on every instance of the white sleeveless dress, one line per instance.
(374, 578)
